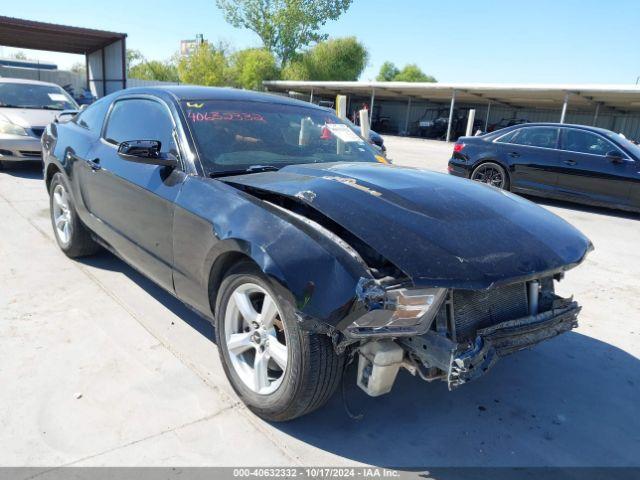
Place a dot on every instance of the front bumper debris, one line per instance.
(461, 363)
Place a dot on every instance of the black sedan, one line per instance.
(568, 162)
(280, 225)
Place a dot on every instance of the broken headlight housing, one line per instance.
(398, 312)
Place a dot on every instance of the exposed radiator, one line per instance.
(475, 309)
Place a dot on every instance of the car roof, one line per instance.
(552, 124)
(27, 81)
(188, 92)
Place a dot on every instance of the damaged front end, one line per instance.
(438, 277)
(464, 335)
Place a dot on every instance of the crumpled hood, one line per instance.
(439, 229)
(29, 117)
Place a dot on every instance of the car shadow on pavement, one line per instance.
(570, 401)
(107, 261)
(583, 208)
(28, 170)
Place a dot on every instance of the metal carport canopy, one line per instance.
(105, 51)
(622, 98)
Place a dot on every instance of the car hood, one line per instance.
(438, 229)
(29, 117)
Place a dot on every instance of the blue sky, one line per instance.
(560, 41)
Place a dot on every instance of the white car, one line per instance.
(26, 108)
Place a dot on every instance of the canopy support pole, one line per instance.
(595, 115)
(453, 103)
(373, 99)
(406, 118)
(564, 107)
(486, 120)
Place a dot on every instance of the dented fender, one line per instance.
(213, 219)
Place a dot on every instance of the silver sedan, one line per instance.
(26, 108)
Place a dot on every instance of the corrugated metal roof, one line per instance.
(20, 33)
(624, 98)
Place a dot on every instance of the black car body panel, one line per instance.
(440, 231)
(556, 170)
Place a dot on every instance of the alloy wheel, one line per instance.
(62, 214)
(491, 174)
(256, 338)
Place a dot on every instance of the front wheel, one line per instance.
(73, 238)
(492, 174)
(277, 369)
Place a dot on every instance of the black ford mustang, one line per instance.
(279, 224)
(577, 163)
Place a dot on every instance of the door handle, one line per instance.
(570, 162)
(94, 164)
(514, 154)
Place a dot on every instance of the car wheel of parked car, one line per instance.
(72, 236)
(492, 174)
(279, 370)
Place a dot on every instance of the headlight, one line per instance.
(401, 311)
(9, 128)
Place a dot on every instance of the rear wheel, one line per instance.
(492, 174)
(73, 238)
(277, 369)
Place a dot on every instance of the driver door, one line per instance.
(133, 203)
(589, 175)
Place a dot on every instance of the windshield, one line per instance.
(25, 95)
(237, 135)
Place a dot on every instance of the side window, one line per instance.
(582, 141)
(140, 119)
(509, 137)
(546, 137)
(93, 117)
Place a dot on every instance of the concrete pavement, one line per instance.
(98, 366)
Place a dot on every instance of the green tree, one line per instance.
(412, 73)
(250, 67)
(284, 26)
(134, 57)
(336, 59)
(19, 55)
(388, 72)
(155, 70)
(296, 70)
(208, 65)
(79, 68)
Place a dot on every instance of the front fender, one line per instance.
(213, 219)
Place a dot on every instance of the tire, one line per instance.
(313, 370)
(479, 175)
(75, 239)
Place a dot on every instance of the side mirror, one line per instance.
(146, 151)
(65, 115)
(615, 156)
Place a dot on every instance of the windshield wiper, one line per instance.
(251, 169)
